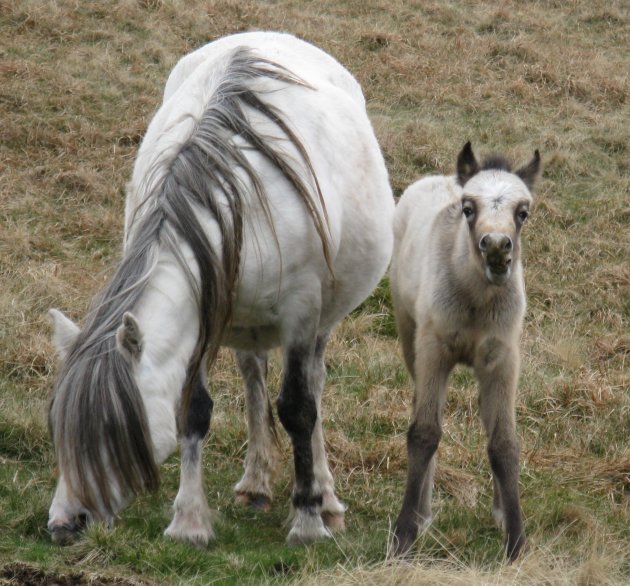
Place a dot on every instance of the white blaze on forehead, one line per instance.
(496, 189)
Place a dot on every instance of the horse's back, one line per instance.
(282, 260)
(311, 63)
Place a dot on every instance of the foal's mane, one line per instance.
(97, 418)
(497, 162)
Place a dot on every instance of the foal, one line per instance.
(459, 297)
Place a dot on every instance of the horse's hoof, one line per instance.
(194, 532)
(192, 525)
(334, 521)
(306, 529)
(64, 534)
(258, 501)
(198, 536)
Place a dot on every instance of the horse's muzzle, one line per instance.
(496, 251)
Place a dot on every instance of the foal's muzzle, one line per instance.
(496, 250)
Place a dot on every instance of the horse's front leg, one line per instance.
(192, 519)
(332, 510)
(432, 365)
(254, 488)
(297, 410)
(497, 370)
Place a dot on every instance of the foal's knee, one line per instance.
(423, 438)
(503, 454)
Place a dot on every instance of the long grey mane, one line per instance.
(97, 418)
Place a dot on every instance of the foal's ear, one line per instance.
(530, 172)
(129, 337)
(467, 164)
(65, 333)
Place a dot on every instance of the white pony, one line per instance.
(458, 292)
(259, 214)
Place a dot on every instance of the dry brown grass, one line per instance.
(78, 84)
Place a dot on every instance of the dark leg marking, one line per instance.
(422, 442)
(200, 411)
(297, 411)
(192, 520)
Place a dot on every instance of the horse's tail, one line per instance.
(207, 173)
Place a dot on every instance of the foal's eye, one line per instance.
(468, 211)
(522, 215)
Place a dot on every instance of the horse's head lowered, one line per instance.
(495, 203)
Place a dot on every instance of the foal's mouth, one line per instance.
(498, 272)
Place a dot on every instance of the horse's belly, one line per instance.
(256, 338)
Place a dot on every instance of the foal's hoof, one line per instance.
(518, 550)
(64, 534)
(402, 544)
(258, 501)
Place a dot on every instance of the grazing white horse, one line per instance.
(459, 297)
(259, 214)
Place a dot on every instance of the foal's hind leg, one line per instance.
(332, 510)
(497, 371)
(254, 488)
(192, 518)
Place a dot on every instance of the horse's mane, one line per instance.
(97, 417)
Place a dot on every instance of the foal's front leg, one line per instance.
(254, 488)
(432, 365)
(297, 410)
(192, 520)
(497, 370)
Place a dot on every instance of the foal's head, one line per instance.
(495, 204)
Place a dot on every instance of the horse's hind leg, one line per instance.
(497, 371)
(254, 488)
(192, 520)
(297, 410)
(332, 510)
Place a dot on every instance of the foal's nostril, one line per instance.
(483, 243)
(507, 244)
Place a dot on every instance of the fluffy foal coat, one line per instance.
(459, 297)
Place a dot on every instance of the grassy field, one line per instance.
(79, 82)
